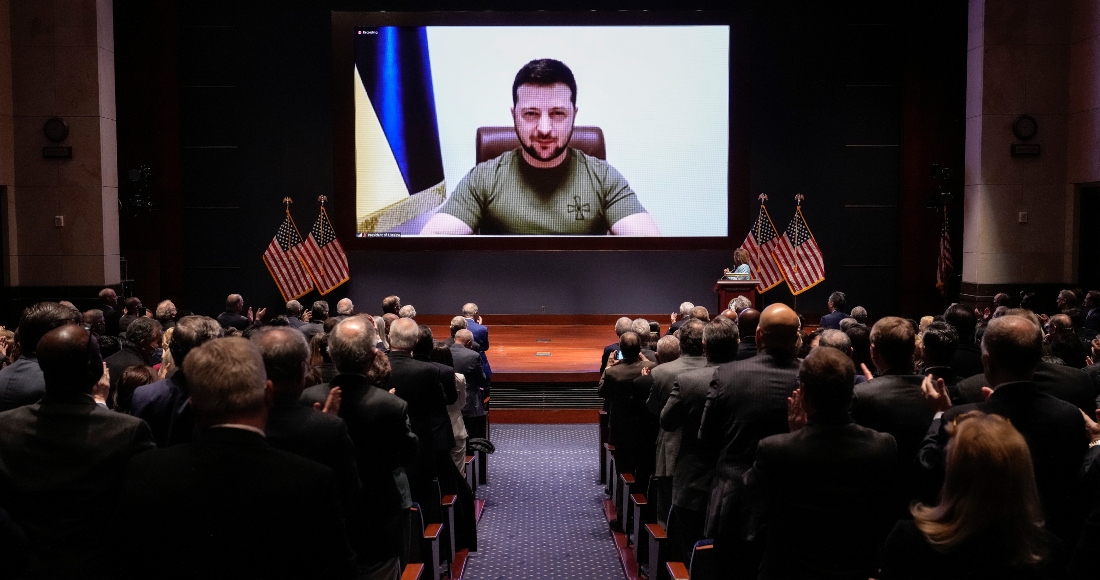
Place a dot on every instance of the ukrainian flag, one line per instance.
(399, 166)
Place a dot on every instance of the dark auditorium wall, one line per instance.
(231, 104)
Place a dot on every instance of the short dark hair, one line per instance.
(939, 342)
(691, 337)
(141, 330)
(319, 311)
(284, 351)
(827, 378)
(132, 304)
(839, 300)
(189, 333)
(893, 340)
(424, 342)
(41, 318)
(391, 304)
(963, 319)
(545, 72)
(233, 302)
(721, 339)
(630, 344)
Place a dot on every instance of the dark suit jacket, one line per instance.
(968, 360)
(1084, 553)
(378, 423)
(661, 381)
(318, 436)
(672, 328)
(747, 401)
(21, 383)
(823, 494)
(294, 322)
(129, 356)
(233, 320)
(1074, 386)
(695, 461)
(607, 352)
(111, 319)
(468, 364)
(231, 506)
(481, 337)
(1055, 434)
(61, 467)
(832, 320)
(421, 384)
(1091, 327)
(894, 404)
(165, 406)
(746, 348)
(311, 328)
(632, 428)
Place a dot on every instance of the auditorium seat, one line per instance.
(603, 441)
(426, 550)
(412, 572)
(490, 142)
(655, 538)
(470, 467)
(702, 565)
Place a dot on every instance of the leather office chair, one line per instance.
(492, 141)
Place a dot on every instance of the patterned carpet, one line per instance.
(543, 516)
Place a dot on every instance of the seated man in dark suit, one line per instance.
(837, 303)
(747, 321)
(301, 430)
(632, 428)
(695, 461)
(142, 340)
(747, 401)
(62, 461)
(229, 505)
(1054, 429)
(892, 402)
(378, 422)
(164, 404)
(822, 492)
(21, 382)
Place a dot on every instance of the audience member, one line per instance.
(321, 368)
(988, 521)
(693, 473)
(165, 314)
(108, 300)
(632, 428)
(640, 326)
(62, 459)
(142, 340)
(823, 491)
(968, 356)
(231, 505)
(678, 318)
(661, 381)
(232, 317)
(1054, 430)
(860, 314)
(294, 314)
(318, 314)
(481, 337)
(668, 349)
(391, 305)
(740, 304)
(700, 313)
(380, 328)
(21, 382)
(165, 404)
(131, 311)
(838, 302)
(132, 378)
(407, 311)
(937, 349)
(747, 321)
(94, 322)
(747, 401)
(378, 423)
(622, 325)
(345, 307)
(451, 479)
(468, 363)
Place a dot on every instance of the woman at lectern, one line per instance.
(740, 261)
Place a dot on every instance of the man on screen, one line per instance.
(545, 186)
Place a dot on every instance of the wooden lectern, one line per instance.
(728, 290)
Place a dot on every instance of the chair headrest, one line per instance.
(493, 141)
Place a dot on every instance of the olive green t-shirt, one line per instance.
(506, 195)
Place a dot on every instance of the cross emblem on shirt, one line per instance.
(578, 208)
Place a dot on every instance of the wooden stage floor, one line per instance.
(544, 353)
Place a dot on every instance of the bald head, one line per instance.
(464, 337)
(1060, 323)
(1011, 349)
(747, 321)
(70, 361)
(351, 345)
(778, 329)
(730, 314)
(284, 351)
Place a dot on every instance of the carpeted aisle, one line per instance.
(543, 515)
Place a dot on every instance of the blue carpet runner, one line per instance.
(543, 511)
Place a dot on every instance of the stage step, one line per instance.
(545, 396)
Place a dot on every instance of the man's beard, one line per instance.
(556, 153)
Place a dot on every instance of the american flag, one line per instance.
(944, 266)
(760, 243)
(283, 258)
(325, 256)
(799, 256)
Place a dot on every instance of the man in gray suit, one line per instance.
(21, 382)
(62, 460)
(468, 364)
(663, 379)
(682, 413)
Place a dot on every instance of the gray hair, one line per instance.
(464, 336)
(141, 330)
(622, 325)
(685, 308)
(294, 308)
(284, 351)
(351, 345)
(457, 323)
(668, 348)
(380, 328)
(860, 314)
(469, 310)
(226, 377)
(640, 326)
(319, 310)
(404, 333)
(345, 307)
(407, 311)
(836, 339)
(166, 309)
(189, 333)
(740, 303)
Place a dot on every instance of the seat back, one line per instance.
(493, 141)
(703, 564)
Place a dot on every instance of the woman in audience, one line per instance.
(988, 523)
(166, 366)
(132, 378)
(380, 326)
(321, 367)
